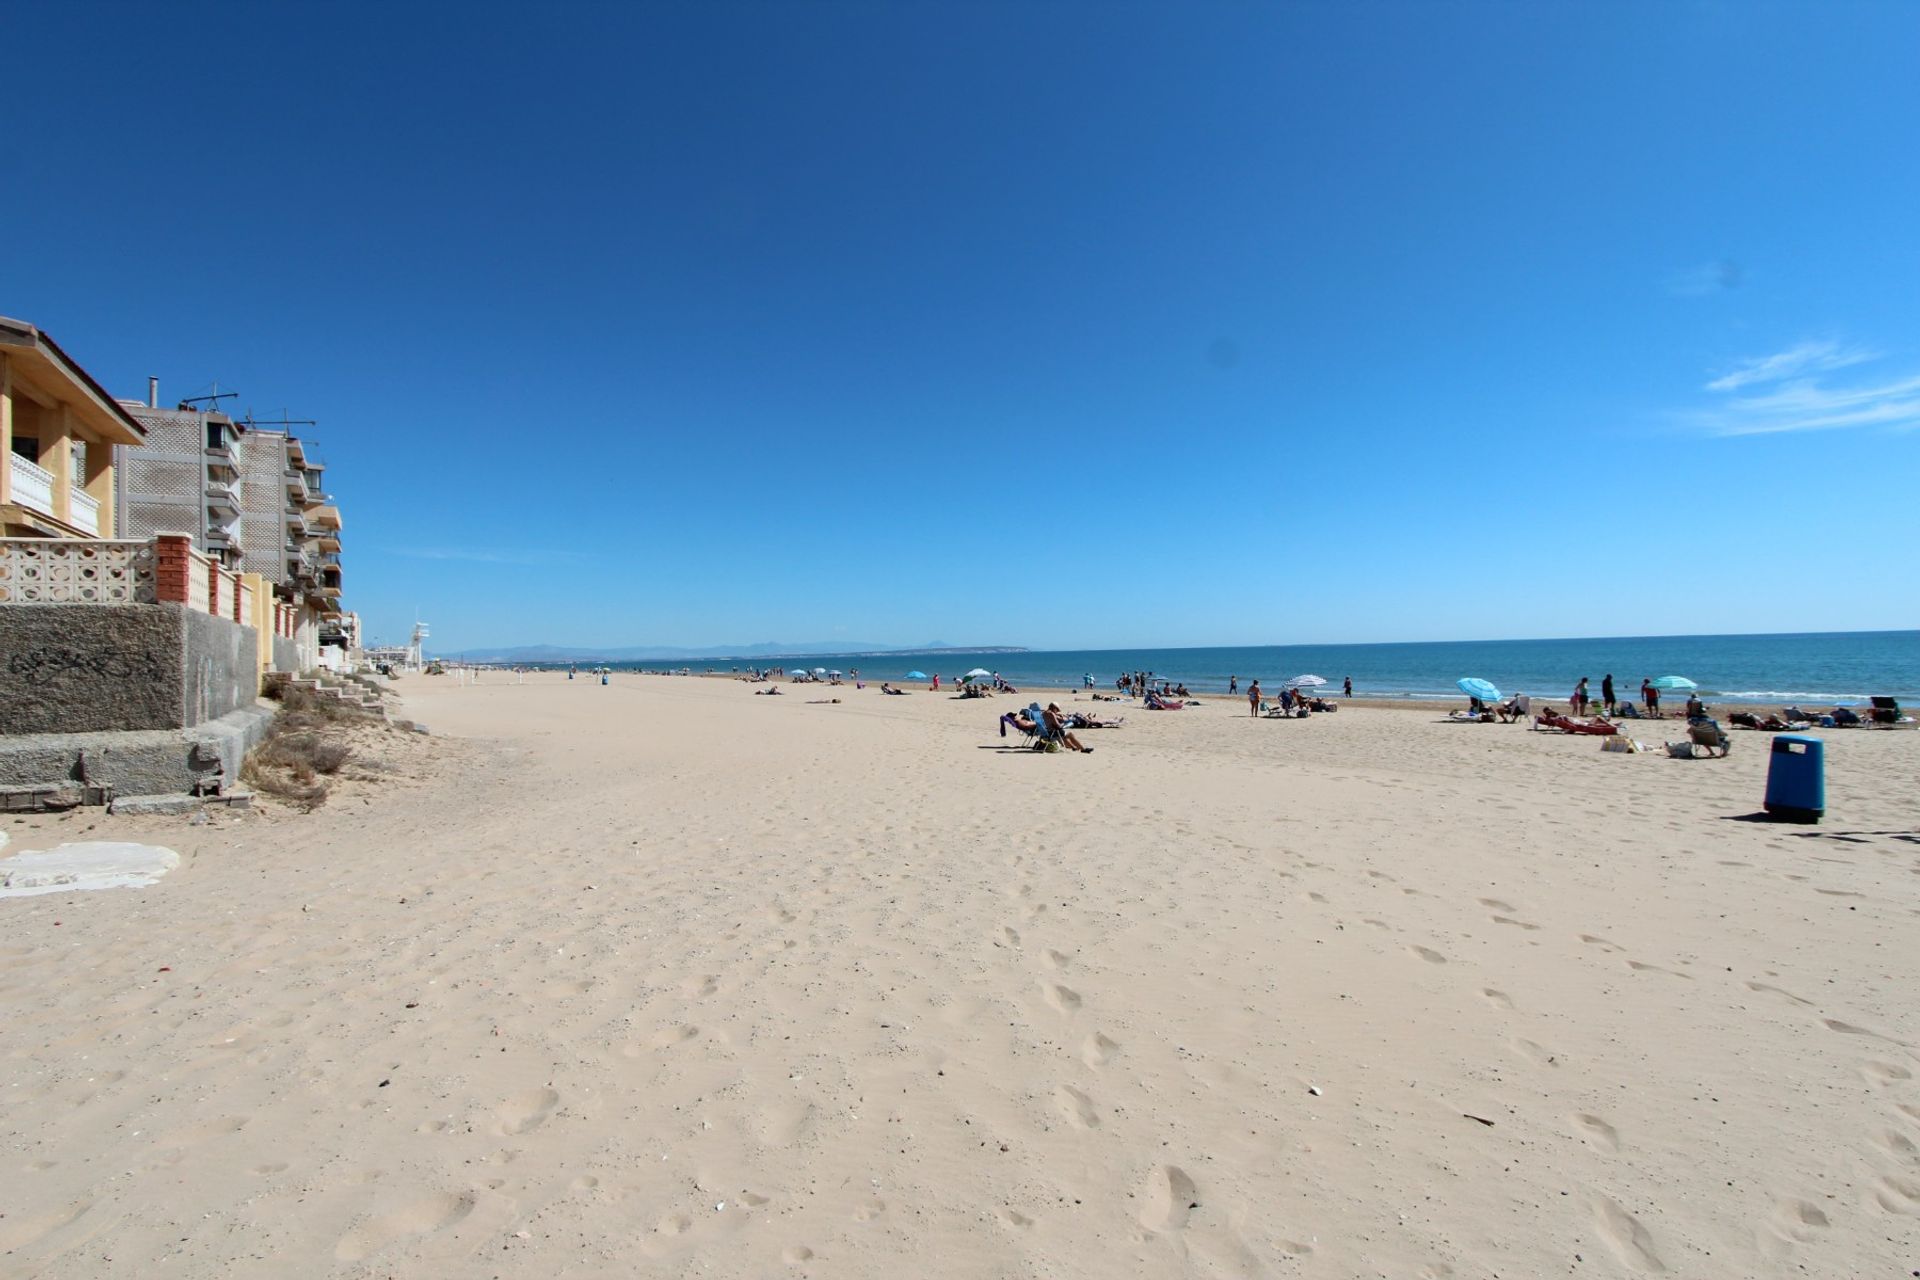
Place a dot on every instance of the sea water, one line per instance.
(1821, 668)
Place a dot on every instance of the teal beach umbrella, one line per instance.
(1475, 687)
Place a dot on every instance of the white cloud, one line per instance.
(1808, 357)
(1791, 395)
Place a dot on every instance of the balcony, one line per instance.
(325, 518)
(297, 487)
(222, 496)
(33, 489)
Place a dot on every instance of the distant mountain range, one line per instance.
(768, 651)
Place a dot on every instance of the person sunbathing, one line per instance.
(1157, 703)
(890, 690)
(1057, 729)
(766, 693)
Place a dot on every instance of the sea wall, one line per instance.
(103, 668)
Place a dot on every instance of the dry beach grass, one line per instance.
(660, 978)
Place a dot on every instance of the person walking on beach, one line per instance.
(1650, 696)
(1606, 692)
(1347, 687)
(1253, 697)
(1233, 684)
(936, 675)
(1580, 697)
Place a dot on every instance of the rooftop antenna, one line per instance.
(212, 400)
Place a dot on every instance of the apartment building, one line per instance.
(58, 432)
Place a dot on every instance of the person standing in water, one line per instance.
(1233, 684)
(1347, 687)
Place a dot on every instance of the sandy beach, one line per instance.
(664, 978)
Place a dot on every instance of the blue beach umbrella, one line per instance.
(1475, 687)
(914, 675)
(1670, 683)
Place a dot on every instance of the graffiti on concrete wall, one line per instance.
(52, 663)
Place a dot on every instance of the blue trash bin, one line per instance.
(1797, 779)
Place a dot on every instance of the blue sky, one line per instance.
(1059, 325)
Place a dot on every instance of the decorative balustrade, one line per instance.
(200, 571)
(73, 571)
(32, 484)
(85, 513)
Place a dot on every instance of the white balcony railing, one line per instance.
(86, 512)
(32, 485)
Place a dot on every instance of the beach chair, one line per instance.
(1026, 735)
(1707, 735)
(1886, 714)
(1041, 735)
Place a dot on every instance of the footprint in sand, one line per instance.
(1316, 897)
(1011, 934)
(1498, 999)
(870, 1210)
(1014, 1218)
(1428, 954)
(1595, 940)
(1496, 904)
(795, 1254)
(1623, 1234)
(1848, 1029)
(1520, 924)
(1535, 1053)
(1065, 999)
(1057, 960)
(1077, 1107)
(1896, 1194)
(670, 1036)
(423, 1217)
(1641, 966)
(1596, 1132)
(1797, 1221)
(1097, 1050)
(527, 1111)
(1378, 924)
(1764, 989)
(1170, 1197)
(1897, 1144)
(701, 985)
(1884, 1073)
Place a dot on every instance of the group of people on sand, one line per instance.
(1055, 725)
(1612, 705)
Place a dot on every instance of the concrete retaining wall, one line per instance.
(68, 669)
(286, 654)
(147, 762)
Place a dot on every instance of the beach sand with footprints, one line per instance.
(661, 978)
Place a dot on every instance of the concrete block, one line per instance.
(178, 802)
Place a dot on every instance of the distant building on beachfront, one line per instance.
(290, 534)
(252, 497)
(184, 479)
(58, 432)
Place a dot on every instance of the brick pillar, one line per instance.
(171, 552)
(213, 588)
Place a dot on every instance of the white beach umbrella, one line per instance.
(1304, 682)
(978, 673)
